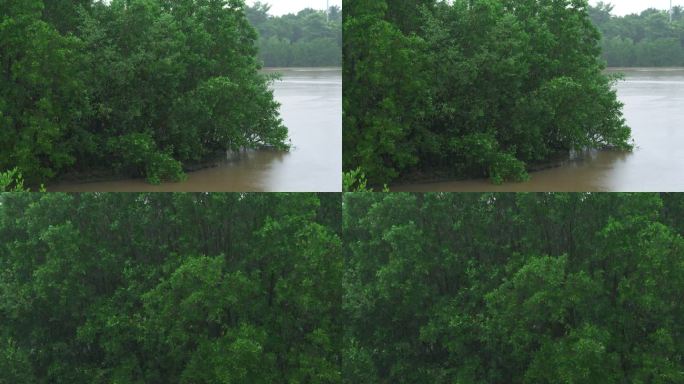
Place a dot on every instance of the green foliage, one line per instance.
(170, 288)
(355, 181)
(483, 154)
(40, 92)
(261, 288)
(137, 155)
(473, 88)
(14, 364)
(11, 181)
(384, 93)
(307, 39)
(647, 39)
(81, 78)
(513, 288)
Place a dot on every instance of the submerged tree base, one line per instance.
(475, 88)
(97, 175)
(143, 86)
(558, 160)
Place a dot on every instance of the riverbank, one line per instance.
(427, 181)
(108, 175)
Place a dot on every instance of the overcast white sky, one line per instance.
(625, 7)
(282, 7)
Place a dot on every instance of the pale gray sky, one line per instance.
(282, 7)
(625, 7)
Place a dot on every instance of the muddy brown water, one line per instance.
(311, 108)
(654, 108)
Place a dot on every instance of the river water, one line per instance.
(311, 108)
(654, 108)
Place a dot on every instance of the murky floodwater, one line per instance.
(311, 101)
(654, 108)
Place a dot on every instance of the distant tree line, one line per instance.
(135, 87)
(308, 39)
(647, 39)
(472, 88)
(170, 288)
(513, 288)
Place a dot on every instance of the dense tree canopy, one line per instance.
(513, 288)
(139, 87)
(170, 288)
(648, 39)
(308, 39)
(472, 88)
(383, 288)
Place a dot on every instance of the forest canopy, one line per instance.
(170, 288)
(376, 288)
(653, 38)
(135, 87)
(310, 38)
(513, 288)
(476, 88)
